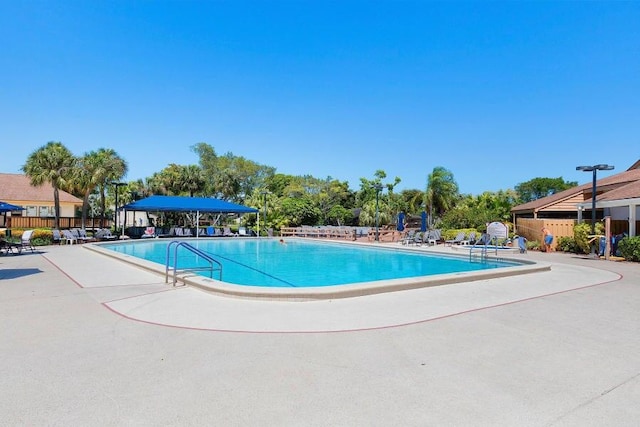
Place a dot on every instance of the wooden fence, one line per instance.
(65, 222)
(532, 228)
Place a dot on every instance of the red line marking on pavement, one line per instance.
(63, 272)
(374, 328)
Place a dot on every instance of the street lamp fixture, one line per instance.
(378, 188)
(116, 214)
(594, 169)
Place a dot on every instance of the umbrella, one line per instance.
(423, 222)
(400, 225)
(8, 207)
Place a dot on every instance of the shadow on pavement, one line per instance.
(14, 273)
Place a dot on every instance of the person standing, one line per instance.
(547, 238)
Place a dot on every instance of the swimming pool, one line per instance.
(300, 263)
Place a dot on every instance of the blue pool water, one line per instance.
(300, 263)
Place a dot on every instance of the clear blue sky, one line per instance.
(498, 93)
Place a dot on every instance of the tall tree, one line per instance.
(91, 172)
(111, 168)
(231, 177)
(191, 179)
(52, 163)
(442, 191)
(538, 188)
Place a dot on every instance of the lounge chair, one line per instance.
(227, 232)
(149, 233)
(459, 238)
(484, 239)
(84, 236)
(79, 236)
(25, 241)
(69, 238)
(57, 236)
(470, 240)
(434, 237)
(407, 237)
(103, 234)
(242, 231)
(7, 248)
(186, 232)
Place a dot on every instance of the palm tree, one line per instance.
(52, 163)
(93, 171)
(107, 166)
(191, 179)
(442, 191)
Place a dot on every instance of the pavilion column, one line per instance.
(632, 219)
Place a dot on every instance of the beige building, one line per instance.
(37, 201)
(617, 197)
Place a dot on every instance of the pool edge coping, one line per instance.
(331, 292)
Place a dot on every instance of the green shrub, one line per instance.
(630, 248)
(581, 233)
(452, 233)
(40, 236)
(568, 244)
(533, 245)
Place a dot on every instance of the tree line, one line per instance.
(287, 200)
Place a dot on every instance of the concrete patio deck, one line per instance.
(87, 340)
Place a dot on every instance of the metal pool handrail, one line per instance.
(196, 251)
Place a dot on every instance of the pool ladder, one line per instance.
(213, 264)
(483, 253)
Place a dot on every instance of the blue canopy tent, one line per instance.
(186, 204)
(8, 207)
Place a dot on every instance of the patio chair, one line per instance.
(69, 238)
(407, 237)
(470, 240)
(227, 232)
(84, 236)
(25, 241)
(7, 248)
(149, 232)
(57, 237)
(79, 237)
(434, 237)
(459, 238)
(103, 234)
(417, 238)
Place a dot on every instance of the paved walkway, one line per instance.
(87, 340)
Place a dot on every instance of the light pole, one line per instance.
(594, 169)
(116, 214)
(264, 212)
(378, 188)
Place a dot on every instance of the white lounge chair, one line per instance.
(25, 241)
(459, 238)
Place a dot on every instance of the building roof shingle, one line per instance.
(18, 187)
(628, 180)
